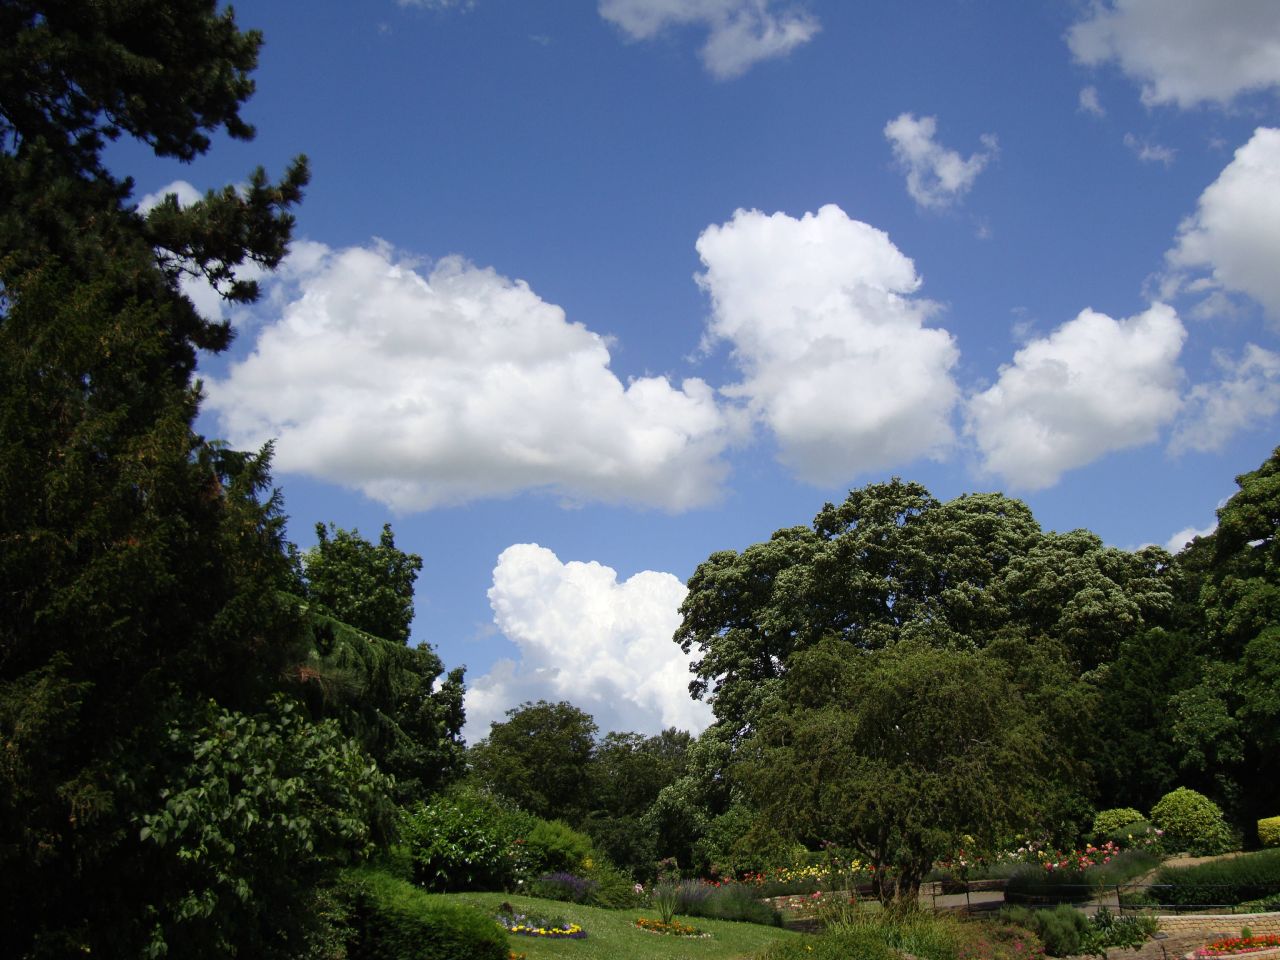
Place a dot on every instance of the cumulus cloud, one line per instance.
(837, 361)
(1247, 393)
(1184, 536)
(740, 33)
(1094, 385)
(429, 388)
(1234, 234)
(585, 637)
(1149, 152)
(1187, 52)
(936, 176)
(1091, 103)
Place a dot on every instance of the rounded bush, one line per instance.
(1269, 832)
(1108, 822)
(1191, 822)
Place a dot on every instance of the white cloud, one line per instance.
(423, 390)
(740, 33)
(1248, 393)
(1093, 386)
(1235, 232)
(604, 646)
(1184, 536)
(1149, 152)
(185, 193)
(936, 176)
(1091, 103)
(1185, 52)
(836, 357)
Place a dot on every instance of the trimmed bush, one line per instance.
(1108, 822)
(1251, 876)
(1191, 822)
(389, 919)
(1269, 832)
(555, 846)
(1063, 930)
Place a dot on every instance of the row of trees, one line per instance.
(906, 676)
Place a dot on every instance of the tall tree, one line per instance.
(142, 566)
(897, 753)
(540, 758)
(369, 586)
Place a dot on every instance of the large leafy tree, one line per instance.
(540, 759)
(903, 754)
(891, 563)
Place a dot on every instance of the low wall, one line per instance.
(1229, 923)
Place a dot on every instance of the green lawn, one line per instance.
(611, 935)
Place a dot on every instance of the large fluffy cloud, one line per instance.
(1092, 386)
(740, 33)
(833, 346)
(1234, 234)
(421, 390)
(1247, 393)
(936, 176)
(584, 637)
(1185, 52)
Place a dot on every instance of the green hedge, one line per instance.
(389, 919)
(1251, 876)
(1033, 884)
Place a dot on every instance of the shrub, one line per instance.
(563, 886)
(553, 845)
(1269, 832)
(1141, 833)
(1108, 822)
(614, 889)
(729, 901)
(466, 840)
(1109, 930)
(1252, 876)
(1063, 930)
(1191, 822)
(389, 919)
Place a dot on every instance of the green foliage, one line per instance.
(1191, 822)
(1110, 930)
(626, 841)
(1063, 930)
(463, 839)
(263, 809)
(743, 841)
(368, 586)
(898, 754)
(1269, 832)
(389, 919)
(390, 697)
(729, 901)
(1142, 833)
(838, 944)
(1232, 880)
(554, 845)
(1107, 822)
(562, 885)
(614, 889)
(539, 759)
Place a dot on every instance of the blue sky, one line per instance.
(583, 292)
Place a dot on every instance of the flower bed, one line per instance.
(552, 928)
(671, 928)
(1230, 946)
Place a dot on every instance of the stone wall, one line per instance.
(1229, 923)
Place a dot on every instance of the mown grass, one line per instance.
(611, 934)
